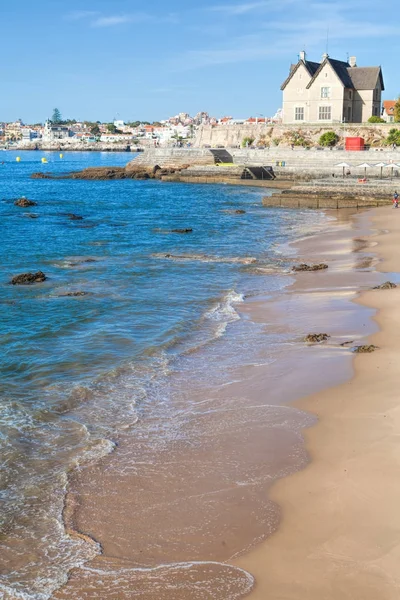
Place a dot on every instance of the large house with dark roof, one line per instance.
(332, 91)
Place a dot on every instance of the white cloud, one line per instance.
(113, 20)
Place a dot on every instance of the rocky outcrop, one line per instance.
(131, 171)
(316, 338)
(24, 202)
(388, 285)
(28, 278)
(304, 267)
(365, 349)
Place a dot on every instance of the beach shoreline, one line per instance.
(339, 246)
(338, 537)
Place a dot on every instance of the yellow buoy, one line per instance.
(18, 159)
(44, 160)
(61, 155)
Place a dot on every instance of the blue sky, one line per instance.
(98, 59)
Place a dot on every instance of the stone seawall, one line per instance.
(232, 136)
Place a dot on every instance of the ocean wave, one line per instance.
(241, 260)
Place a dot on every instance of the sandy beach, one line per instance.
(339, 535)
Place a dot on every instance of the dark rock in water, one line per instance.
(41, 176)
(82, 262)
(28, 278)
(73, 217)
(365, 349)
(31, 215)
(182, 230)
(388, 285)
(304, 267)
(345, 344)
(74, 294)
(24, 202)
(316, 338)
(240, 211)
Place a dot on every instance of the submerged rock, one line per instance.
(385, 286)
(73, 294)
(189, 230)
(304, 267)
(240, 211)
(28, 278)
(24, 202)
(316, 338)
(73, 217)
(31, 215)
(365, 349)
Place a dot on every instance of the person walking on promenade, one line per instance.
(395, 200)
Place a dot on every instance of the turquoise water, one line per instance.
(77, 370)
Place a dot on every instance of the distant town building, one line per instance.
(29, 134)
(388, 110)
(55, 131)
(13, 131)
(331, 91)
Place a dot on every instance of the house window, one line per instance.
(325, 92)
(299, 113)
(325, 113)
(350, 94)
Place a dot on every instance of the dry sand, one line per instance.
(339, 536)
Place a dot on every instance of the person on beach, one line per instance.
(395, 200)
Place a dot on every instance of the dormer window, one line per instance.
(325, 92)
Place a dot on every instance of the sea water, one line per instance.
(77, 370)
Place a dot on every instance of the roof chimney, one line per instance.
(353, 61)
(302, 56)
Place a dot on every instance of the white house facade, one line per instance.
(331, 91)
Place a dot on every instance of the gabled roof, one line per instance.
(311, 68)
(366, 78)
(339, 67)
(357, 78)
(389, 105)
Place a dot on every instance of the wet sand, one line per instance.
(175, 516)
(339, 535)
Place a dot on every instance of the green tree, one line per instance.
(95, 129)
(397, 111)
(375, 119)
(329, 138)
(393, 137)
(56, 117)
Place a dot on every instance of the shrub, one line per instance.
(375, 119)
(276, 141)
(247, 141)
(329, 138)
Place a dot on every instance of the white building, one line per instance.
(54, 131)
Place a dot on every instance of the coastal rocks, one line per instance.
(24, 202)
(388, 285)
(41, 176)
(100, 173)
(365, 349)
(28, 278)
(304, 267)
(316, 338)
